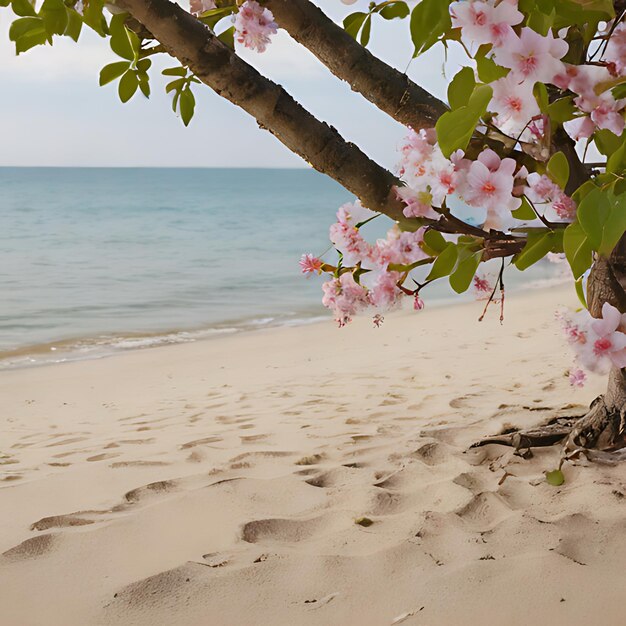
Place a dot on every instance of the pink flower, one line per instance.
(197, 7)
(310, 264)
(532, 56)
(400, 248)
(610, 341)
(384, 293)
(418, 203)
(482, 285)
(616, 49)
(579, 128)
(485, 23)
(542, 190)
(253, 25)
(489, 185)
(346, 237)
(577, 378)
(418, 304)
(345, 297)
(514, 103)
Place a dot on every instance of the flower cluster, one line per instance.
(381, 266)
(598, 343)
(530, 58)
(254, 25)
(542, 190)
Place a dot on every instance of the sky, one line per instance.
(53, 113)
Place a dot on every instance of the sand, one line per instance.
(220, 482)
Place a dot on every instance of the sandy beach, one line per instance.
(221, 482)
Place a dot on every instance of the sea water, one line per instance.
(97, 260)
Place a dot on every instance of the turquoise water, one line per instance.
(94, 260)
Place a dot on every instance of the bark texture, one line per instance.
(390, 90)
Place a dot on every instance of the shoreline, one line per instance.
(108, 344)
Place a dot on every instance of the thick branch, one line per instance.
(390, 90)
(217, 66)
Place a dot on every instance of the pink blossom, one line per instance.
(577, 377)
(603, 109)
(418, 303)
(482, 285)
(532, 56)
(579, 128)
(253, 25)
(345, 297)
(514, 103)
(616, 49)
(310, 264)
(485, 22)
(346, 237)
(542, 190)
(197, 7)
(384, 293)
(489, 185)
(598, 343)
(399, 248)
(418, 203)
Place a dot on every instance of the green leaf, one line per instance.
(74, 25)
(121, 38)
(213, 16)
(23, 8)
(537, 246)
(617, 161)
(444, 263)
(128, 86)
(352, 24)
(562, 110)
(395, 10)
(143, 65)
(461, 278)
(27, 32)
(93, 17)
(577, 249)
(435, 241)
(112, 71)
(176, 85)
(541, 95)
(558, 169)
(461, 88)
(144, 84)
(488, 70)
(593, 213)
(455, 128)
(607, 142)
(187, 105)
(175, 71)
(54, 16)
(366, 31)
(555, 478)
(430, 19)
(228, 37)
(525, 212)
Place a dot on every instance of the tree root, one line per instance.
(600, 435)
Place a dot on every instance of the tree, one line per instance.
(544, 85)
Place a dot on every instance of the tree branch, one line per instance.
(217, 66)
(390, 90)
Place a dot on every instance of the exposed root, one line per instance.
(601, 429)
(600, 435)
(547, 434)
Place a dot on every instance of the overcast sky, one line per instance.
(52, 111)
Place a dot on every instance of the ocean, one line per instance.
(98, 260)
